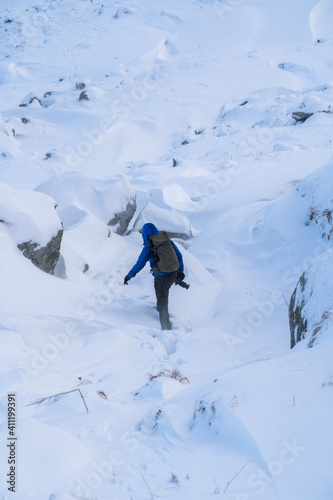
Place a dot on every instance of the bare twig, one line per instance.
(84, 382)
(217, 488)
(231, 480)
(150, 492)
(84, 402)
(174, 479)
(40, 401)
(284, 298)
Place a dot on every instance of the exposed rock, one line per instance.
(83, 96)
(311, 304)
(297, 323)
(301, 116)
(121, 12)
(30, 99)
(122, 219)
(316, 190)
(80, 86)
(45, 258)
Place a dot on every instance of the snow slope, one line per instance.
(217, 115)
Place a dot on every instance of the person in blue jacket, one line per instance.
(162, 281)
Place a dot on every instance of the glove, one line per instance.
(126, 279)
(180, 277)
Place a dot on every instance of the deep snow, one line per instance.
(189, 105)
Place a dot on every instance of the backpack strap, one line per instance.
(156, 257)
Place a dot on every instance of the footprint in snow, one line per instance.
(297, 70)
(168, 339)
(173, 17)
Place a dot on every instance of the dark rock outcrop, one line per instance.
(297, 323)
(122, 219)
(300, 116)
(45, 258)
(83, 96)
(30, 99)
(311, 304)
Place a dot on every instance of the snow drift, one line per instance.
(31, 221)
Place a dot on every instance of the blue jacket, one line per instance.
(147, 255)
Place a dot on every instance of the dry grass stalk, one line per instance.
(48, 398)
(175, 374)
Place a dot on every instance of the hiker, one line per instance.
(167, 267)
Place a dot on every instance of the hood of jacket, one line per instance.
(147, 230)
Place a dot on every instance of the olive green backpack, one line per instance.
(164, 253)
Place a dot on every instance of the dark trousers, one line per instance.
(162, 285)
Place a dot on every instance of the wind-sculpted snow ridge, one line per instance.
(177, 225)
(110, 200)
(30, 221)
(321, 27)
(276, 107)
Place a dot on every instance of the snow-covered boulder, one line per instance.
(321, 21)
(112, 201)
(306, 210)
(32, 223)
(82, 244)
(175, 223)
(311, 304)
(317, 190)
(275, 107)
